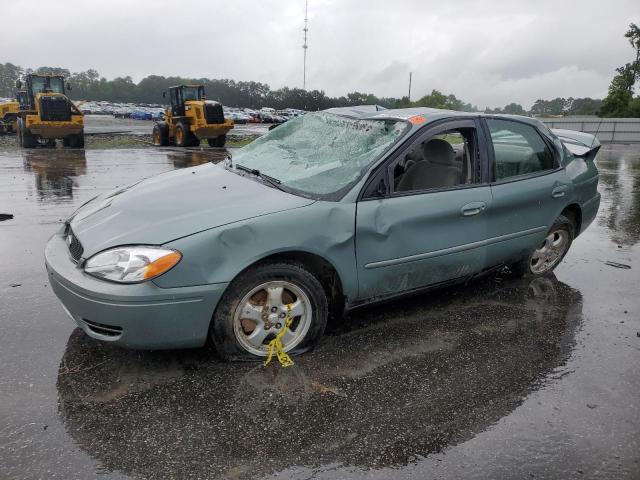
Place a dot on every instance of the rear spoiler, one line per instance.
(580, 144)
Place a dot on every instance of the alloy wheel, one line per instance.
(262, 314)
(549, 254)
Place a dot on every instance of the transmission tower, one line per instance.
(304, 46)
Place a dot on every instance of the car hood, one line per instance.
(173, 205)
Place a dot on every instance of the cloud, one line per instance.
(485, 52)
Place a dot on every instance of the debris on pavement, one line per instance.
(618, 265)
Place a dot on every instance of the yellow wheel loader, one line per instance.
(191, 118)
(9, 113)
(48, 114)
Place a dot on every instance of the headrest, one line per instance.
(439, 151)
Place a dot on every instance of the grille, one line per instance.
(103, 329)
(213, 113)
(75, 247)
(55, 109)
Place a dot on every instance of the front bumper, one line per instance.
(55, 129)
(212, 130)
(141, 315)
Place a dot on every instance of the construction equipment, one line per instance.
(191, 118)
(47, 113)
(9, 113)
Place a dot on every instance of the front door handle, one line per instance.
(473, 208)
(559, 192)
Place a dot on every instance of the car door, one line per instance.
(416, 225)
(529, 189)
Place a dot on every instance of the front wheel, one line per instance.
(74, 141)
(218, 141)
(550, 252)
(25, 138)
(257, 305)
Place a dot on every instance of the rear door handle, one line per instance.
(559, 191)
(473, 208)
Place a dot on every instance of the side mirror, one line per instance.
(376, 190)
(68, 86)
(381, 189)
(18, 84)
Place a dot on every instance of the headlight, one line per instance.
(132, 264)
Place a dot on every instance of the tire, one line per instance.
(160, 135)
(547, 257)
(218, 141)
(25, 138)
(252, 290)
(74, 141)
(184, 137)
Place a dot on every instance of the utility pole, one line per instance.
(410, 74)
(304, 46)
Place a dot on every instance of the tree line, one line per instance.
(89, 85)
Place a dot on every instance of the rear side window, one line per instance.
(518, 149)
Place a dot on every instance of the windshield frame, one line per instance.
(341, 192)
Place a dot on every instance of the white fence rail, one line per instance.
(607, 130)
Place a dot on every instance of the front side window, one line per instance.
(518, 149)
(440, 161)
(320, 154)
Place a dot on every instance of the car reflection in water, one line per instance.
(55, 174)
(386, 387)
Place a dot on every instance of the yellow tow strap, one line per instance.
(275, 345)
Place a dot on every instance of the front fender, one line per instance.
(218, 255)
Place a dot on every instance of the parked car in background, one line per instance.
(329, 211)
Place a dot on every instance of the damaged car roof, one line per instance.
(416, 115)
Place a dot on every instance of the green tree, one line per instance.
(514, 109)
(9, 73)
(619, 100)
(53, 71)
(584, 106)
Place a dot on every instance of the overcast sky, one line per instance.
(487, 53)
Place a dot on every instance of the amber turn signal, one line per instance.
(161, 265)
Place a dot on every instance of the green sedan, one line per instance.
(328, 212)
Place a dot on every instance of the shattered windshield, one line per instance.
(320, 153)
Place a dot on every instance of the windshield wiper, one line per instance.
(274, 182)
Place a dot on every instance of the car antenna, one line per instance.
(595, 135)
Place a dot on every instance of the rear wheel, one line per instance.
(161, 134)
(218, 141)
(255, 308)
(25, 138)
(550, 252)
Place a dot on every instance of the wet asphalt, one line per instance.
(500, 379)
